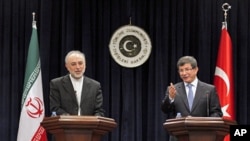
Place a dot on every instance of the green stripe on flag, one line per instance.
(33, 64)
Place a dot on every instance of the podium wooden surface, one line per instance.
(78, 128)
(199, 128)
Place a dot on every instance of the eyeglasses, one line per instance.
(185, 70)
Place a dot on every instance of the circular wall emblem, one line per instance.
(130, 46)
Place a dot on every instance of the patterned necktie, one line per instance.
(190, 96)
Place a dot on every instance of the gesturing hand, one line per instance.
(171, 91)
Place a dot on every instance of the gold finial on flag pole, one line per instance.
(225, 8)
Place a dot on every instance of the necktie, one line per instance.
(190, 96)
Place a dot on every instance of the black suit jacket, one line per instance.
(206, 102)
(63, 98)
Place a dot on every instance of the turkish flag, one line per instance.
(223, 77)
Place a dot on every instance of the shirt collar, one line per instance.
(194, 83)
(75, 80)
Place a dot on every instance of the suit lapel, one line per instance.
(199, 92)
(67, 84)
(85, 89)
(182, 92)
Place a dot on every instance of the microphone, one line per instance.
(207, 96)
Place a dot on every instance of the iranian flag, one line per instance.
(223, 79)
(32, 106)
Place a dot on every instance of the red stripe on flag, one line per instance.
(40, 135)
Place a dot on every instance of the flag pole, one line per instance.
(33, 14)
(33, 20)
(225, 7)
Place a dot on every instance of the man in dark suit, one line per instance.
(204, 101)
(74, 93)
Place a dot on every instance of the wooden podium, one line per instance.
(78, 128)
(199, 128)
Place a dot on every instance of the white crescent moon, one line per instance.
(125, 46)
(221, 73)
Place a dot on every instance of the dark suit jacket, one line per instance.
(206, 102)
(63, 99)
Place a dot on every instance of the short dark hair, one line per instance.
(187, 60)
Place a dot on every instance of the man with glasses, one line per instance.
(191, 97)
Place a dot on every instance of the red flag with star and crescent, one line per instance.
(223, 77)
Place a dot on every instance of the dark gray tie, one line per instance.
(190, 96)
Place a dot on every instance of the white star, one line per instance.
(224, 111)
